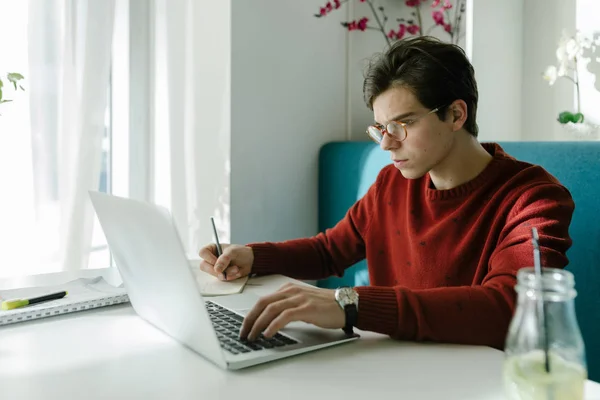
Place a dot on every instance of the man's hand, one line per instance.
(293, 303)
(236, 261)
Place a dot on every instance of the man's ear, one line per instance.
(459, 113)
(455, 114)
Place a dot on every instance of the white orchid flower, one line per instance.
(562, 69)
(572, 49)
(551, 74)
(561, 50)
(585, 42)
(561, 53)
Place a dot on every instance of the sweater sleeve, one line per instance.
(321, 256)
(481, 314)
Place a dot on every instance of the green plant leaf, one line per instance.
(5, 101)
(1, 83)
(565, 117)
(0, 93)
(14, 78)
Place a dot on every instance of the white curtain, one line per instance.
(70, 56)
(191, 141)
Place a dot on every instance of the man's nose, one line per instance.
(388, 143)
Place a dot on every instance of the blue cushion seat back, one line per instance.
(347, 170)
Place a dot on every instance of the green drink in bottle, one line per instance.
(545, 354)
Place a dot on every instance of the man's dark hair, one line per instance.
(436, 72)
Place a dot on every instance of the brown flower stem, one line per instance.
(456, 27)
(576, 80)
(420, 19)
(381, 28)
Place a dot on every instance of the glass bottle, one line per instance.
(525, 375)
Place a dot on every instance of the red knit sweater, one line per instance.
(442, 263)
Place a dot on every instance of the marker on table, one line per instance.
(219, 250)
(16, 303)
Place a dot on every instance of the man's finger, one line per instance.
(258, 308)
(208, 268)
(232, 273)
(207, 253)
(287, 316)
(222, 263)
(270, 313)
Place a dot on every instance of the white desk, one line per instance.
(111, 353)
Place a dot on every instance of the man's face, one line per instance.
(428, 141)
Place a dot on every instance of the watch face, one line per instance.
(346, 296)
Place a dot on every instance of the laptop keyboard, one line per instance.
(228, 324)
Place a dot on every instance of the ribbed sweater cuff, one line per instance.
(265, 258)
(377, 309)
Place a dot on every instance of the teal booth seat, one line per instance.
(347, 170)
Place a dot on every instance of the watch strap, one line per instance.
(351, 318)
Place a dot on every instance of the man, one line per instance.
(444, 229)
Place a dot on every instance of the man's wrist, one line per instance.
(250, 256)
(347, 299)
(264, 259)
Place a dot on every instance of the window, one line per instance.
(37, 167)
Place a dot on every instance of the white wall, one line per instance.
(191, 108)
(588, 21)
(543, 23)
(495, 47)
(510, 44)
(212, 33)
(287, 99)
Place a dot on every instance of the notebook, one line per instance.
(211, 286)
(90, 293)
(84, 294)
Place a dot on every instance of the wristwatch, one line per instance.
(347, 298)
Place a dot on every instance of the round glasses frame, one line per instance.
(397, 130)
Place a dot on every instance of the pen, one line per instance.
(219, 250)
(16, 303)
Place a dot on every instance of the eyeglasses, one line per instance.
(397, 130)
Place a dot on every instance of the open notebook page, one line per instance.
(211, 286)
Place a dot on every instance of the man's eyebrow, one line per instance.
(399, 117)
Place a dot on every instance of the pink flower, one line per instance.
(397, 35)
(435, 3)
(401, 31)
(438, 17)
(447, 5)
(413, 29)
(362, 23)
(448, 28)
(352, 26)
(412, 3)
(336, 4)
(323, 11)
(362, 1)
(328, 6)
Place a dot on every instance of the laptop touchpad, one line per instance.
(241, 303)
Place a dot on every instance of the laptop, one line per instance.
(149, 255)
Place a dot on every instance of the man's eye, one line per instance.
(408, 122)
